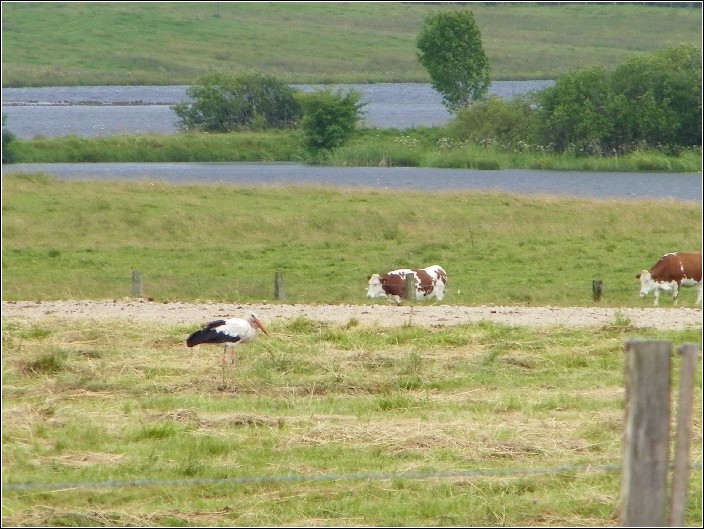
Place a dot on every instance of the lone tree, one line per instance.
(451, 50)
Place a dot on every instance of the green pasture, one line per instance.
(83, 239)
(171, 43)
(117, 423)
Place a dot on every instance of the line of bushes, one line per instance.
(650, 104)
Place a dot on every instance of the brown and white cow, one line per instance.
(672, 271)
(429, 281)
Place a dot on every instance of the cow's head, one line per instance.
(648, 284)
(376, 287)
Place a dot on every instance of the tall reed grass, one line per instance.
(424, 147)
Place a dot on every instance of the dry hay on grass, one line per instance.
(83, 459)
(45, 516)
(391, 436)
(474, 441)
(221, 420)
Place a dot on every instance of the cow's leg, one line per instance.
(656, 295)
(675, 293)
(440, 290)
(699, 295)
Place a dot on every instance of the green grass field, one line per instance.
(74, 240)
(321, 424)
(118, 424)
(168, 43)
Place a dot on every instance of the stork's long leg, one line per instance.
(224, 353)
(224, 358)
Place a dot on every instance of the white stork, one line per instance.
(230, 333)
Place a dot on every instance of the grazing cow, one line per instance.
(672, 271)
(430, 282)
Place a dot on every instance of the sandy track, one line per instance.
(664, 318)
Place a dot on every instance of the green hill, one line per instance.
(164, 43)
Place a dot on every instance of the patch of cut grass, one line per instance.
(402, 402)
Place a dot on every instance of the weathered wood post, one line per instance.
(646, 434)
(410, 291)
(597, 289)
(279, 286)
(689, 354)
(136, 284)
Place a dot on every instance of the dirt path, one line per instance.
(664, 318)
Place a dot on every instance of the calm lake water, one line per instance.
(108, 110)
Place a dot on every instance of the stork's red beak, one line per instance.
(259, 324)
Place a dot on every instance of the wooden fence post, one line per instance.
(136, 284)
(689, 354)
(279, 286)
(646, 434)
(597, 289)
(410, 292)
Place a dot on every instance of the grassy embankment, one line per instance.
(73, 239)
(371, 148)
(164, 43)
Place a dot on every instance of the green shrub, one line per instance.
(652, 102)
(329, 117)
(573, 113)
(495, 121)
(223, 103)
(657, 99)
